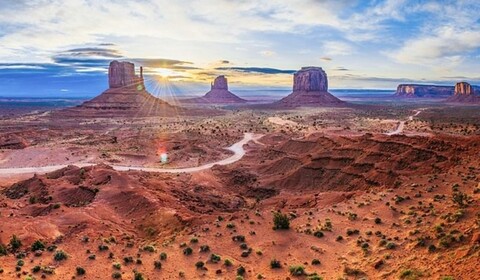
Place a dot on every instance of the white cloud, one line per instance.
(333, 48)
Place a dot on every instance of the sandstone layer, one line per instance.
(464, 93)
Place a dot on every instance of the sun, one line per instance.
(164, 72)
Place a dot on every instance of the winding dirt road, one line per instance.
(237, 149)
(401, 124)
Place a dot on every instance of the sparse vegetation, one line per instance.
(60, 255)
(280, 221)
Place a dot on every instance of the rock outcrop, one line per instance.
(310, 88)
(463, 88)
(122, 74)
(464, 93)
(218, 94)
(415, 90)
(126, 96)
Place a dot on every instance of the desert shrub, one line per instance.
(199, 264)
(163, 256)
(241, 270)
(378, 220)
(138, 261)
(239, 238)
(92, 257)
(461, 199)
(447, 278)
(3, 250)
(117, 266)
(103, 247)
(410, 274)
(138, 276)
(36, 269)
(38, 245)
(80, 270)
(244, 246)
(116, 275)
(353, 271)
(280, 221)
(1, 270)
(149, 248)
(227, 262)
(194, 240)
(339, 238)
(296, 270)
(314, 276)
(60, 255)
(215, 258)
(204, 248)
(315, 262)
(230, 225)
(318, 234)
(275, 264)
(390, 245)
(157, 264)
(20, 262)
(127, 260)
(352, 231)
(187, 251)
(15, 243)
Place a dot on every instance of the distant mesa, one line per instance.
(310, 88)
(464, 93)
(416, 90)
(218, 94)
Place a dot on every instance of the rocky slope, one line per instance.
(218, 94)
(310, 88)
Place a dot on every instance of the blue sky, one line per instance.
(62, 47)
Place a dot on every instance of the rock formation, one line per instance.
(310, 88)
(414, 90)
(463, 88)
(464, 93)
(218, 94)
(126, 96)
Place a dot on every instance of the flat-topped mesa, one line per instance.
(220, 82)
(122, 74)
(310, 79)
(415, 90)
(464, 88)
(310, 88)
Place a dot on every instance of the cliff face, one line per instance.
(220, 82)
(413, 90)
(122, 74)
(310, 79)
(310, 88)
(463, 88)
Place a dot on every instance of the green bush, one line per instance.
(275, 264)
(117, 266)
(60, 255)
(296, 270)
(280, 221)
(315, 262)
(38, 245)
(228, 262)
(80, 270)
(215, 258)
(199, 264)
(15, 242)
(241, 270)
(163, 256)
(149, 248)
(138, 276)
(187, 251)
(116, 275)
(3, 250)
(157, 264)
(318, 234)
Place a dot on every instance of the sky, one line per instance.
(63, 47)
